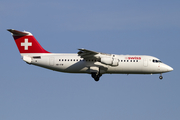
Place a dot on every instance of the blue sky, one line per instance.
(111, 26)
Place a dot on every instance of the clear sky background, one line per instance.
(138, 27)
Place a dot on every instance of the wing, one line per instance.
(107, 59)
(84, 53)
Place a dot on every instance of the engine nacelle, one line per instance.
(110, 61)
(115, 62)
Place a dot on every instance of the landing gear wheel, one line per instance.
(160, 77)
(96, 76)
(96, 79)
(93, 75)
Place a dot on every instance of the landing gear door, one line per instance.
(145, 62)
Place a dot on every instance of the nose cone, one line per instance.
(169, 69)
(166, 68)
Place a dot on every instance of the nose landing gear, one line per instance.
(161, 77)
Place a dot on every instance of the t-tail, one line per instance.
(26, 42)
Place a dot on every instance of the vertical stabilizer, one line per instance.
(26, 42)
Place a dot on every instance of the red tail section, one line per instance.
(26, 42)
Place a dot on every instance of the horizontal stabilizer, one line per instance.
(18, 33)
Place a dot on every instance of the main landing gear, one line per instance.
(161, 77)
(96, 76)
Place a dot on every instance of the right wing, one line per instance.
(107, 59)
(84, 53)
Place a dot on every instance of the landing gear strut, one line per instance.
(96, 76)
(161, 77)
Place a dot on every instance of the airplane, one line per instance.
(86, 61)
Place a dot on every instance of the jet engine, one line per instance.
(110, 61)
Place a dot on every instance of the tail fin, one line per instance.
(26, 42)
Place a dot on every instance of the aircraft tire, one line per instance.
(96, 77)
(160, 77)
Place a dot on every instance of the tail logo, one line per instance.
(26, 44)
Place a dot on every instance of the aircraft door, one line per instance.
(145, 62)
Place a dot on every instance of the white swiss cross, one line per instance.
(26, 44)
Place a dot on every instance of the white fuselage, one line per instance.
(72, 63)
(85, 61)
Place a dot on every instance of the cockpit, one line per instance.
(156, 61)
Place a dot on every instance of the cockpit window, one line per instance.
(156, 61)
